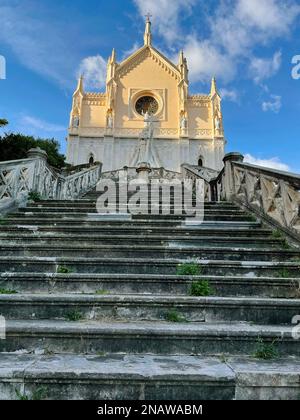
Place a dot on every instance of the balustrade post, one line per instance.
(229, 182)
(39, 169)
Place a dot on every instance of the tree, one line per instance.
(3, 122)
(16, 146)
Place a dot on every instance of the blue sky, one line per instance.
(247, 45)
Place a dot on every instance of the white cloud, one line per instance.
(273, 163)
(32, 123)
(94, 72)
(205, 61)
(273, 105)
(264, 68)
(166, 15)
(38, 44)
(273, 17)
(230, 95)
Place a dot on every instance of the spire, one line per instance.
(148, 34)
(80, 85)
(181, 58)
(113, 56)
(214, 90)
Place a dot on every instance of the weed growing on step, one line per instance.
(34, 196)
(3, 221)
(285, 274)
(189, 269)
(101, 292)
(8, 292)
(37, 395)
(201, 288)
(174, 316)
(74, 316)
(251, 217)
(266, 351)
(61, 269)
(277, 234)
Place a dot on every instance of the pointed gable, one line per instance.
(143, 54)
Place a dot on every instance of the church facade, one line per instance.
(106, 127)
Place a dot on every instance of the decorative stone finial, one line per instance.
(37, 153)
(148, 34)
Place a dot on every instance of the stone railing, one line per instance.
(270, 194)
(18, 178)
(208, 175)
(130, 174)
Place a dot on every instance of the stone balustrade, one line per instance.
(270, 194)
(18, 178)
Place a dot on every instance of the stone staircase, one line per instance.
(99, 307)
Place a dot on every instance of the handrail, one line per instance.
(19, 177)
(272, 195)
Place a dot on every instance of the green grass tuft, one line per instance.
(285, 274)
(201, 288)
(37, 395)
(174, 316)
(34, 196)
(101, 292)
(266, 351)
(189, 269)
(74, 316)
(8, 292)
(61, 269)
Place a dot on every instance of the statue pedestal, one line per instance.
(143, 171)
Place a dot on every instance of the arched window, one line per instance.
(200, 162)
(91, 160)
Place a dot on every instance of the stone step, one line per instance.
(204, 231)
(94, 337)
(92, 204)
(149, 308)
(146, 377)
(143, 251)
(115, 377)
(148, 266)
(49, 238)
(125, 224)
(150, 218)
(121, 284)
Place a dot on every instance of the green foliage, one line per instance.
(174, 316)
(7, 292)
(265, 351)
(61, 269)
(101, 292)
(16, 146)
(285, 273)
(2, 221)
(74, 316)
(37, 395)
(201, 288)
(189, 269)
(3, 122)
(34, 196)
(277, 234)
(21, 397)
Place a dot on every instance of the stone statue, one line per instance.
(145, 152)
(75, 121)
(183, 122)
(217, 123)
(110, 121)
